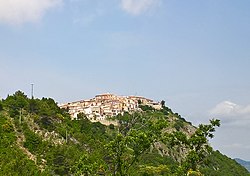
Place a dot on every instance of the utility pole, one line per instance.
(32, 90)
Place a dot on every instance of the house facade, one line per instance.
(107, 105)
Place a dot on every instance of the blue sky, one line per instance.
(193, 54)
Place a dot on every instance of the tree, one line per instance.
(197, 146)
(140, 133)
(16, 102)
(111, 126)
(137, 133)
(162, 103)
(139, 102)
(1, 105)
(34, 105)
(82, 116)
(89, 166)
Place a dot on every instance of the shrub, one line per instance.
(111, 126)
(1, 106)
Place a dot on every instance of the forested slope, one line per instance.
(38, 138)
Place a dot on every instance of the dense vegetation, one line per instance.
(246, 164)
(38, 138)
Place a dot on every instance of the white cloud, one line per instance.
(232, 137)
(232, 113)
(225, 108)
(16, 12)
(230, 108)
(136, 7)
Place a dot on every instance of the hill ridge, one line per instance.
(150, 141)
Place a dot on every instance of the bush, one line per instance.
(7, 127)
(1, 106)
(146, 108)
(111, 126)
(178, 125)
(32, 141)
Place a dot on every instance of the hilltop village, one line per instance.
(107, 105)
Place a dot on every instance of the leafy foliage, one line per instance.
(12, 160)
(144, 143)
(219, 164)
(1, 105)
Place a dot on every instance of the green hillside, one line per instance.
(246, 164)
(38, 138)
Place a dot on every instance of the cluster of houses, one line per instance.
(107, 105)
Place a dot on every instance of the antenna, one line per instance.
(32, 90)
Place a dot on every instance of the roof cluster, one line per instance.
(107, 105)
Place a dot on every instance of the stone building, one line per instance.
(107, 105)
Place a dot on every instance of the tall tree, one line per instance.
(137, 133)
